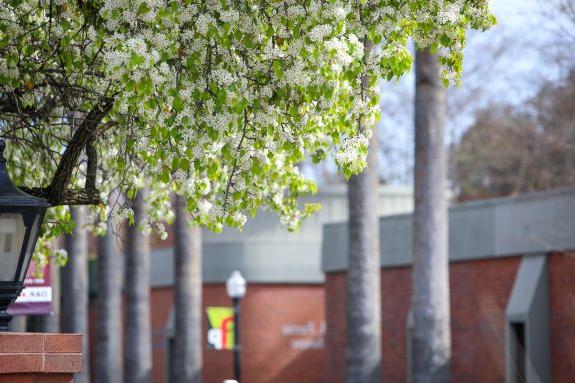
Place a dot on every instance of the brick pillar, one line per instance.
(33, 358)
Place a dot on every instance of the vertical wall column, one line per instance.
(527, 329)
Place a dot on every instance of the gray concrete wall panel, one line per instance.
(529, 305)
(529, 224)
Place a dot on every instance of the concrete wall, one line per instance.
(530, 224)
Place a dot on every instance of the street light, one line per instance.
(236, 288)
(20, 218)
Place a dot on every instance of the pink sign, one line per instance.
(36, 297)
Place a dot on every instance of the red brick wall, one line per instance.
(395, 296)
(268, 355)
(162, 301)
(562, 308)
(480, 291)
(335, 343)
(479, 294)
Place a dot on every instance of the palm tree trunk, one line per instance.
(108, 360)
(363, 352)
(138, 341)
(187, 351)
(431, 339)
(75, 287)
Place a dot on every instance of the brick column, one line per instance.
(35, 358)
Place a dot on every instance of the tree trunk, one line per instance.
(363, 353)
(75, 287)
(138, 341)
(19, 323)
(431, 339)
(108, 360)
(51, 323)
(187, 351)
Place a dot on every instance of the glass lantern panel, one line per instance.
(31, 244)
(12, 231)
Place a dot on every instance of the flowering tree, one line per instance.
(218, 100)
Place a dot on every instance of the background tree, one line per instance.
(74, 307)
(513, 149)
(108, 359)
(187, 350)
(138, 332)
(494, 155)
(431, 336)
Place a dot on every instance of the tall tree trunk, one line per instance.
(18, 323)
(51, 323)
(187, 351)
(363, 353)
(108, 360)
(138, 340)
(431, 339)
(75, 287)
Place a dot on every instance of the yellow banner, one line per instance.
(221, 328)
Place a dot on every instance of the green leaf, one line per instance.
(277, 68)
(136, 60)
(178, 104)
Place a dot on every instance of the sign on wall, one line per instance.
(221, 328)
(305, 336)
(36, 297)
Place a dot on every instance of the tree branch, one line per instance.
(70, 196)
(61, 179)
(92, 167)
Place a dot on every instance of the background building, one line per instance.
(283, 316)
(512, 277)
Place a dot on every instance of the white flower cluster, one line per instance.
(223, 77)
(8, 72)
(229, 16)
(319, 32)
(121, 215)
(450, 13)
(203, 23)
(352, 151)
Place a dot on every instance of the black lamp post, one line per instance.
(236, 288)
(20, 218)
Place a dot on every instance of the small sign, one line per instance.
(305, 336)
(36, 297)
(221, 328)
